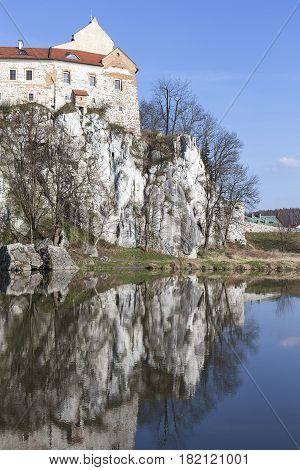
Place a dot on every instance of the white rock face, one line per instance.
(161, 206)
(139, 197)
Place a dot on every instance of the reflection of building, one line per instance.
(100, 357)
(88, 71)
(253, 297)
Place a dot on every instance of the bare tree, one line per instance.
(284, 235)
(221, 160)
(65, 176)
(227, 184)
(24, 131)
(173, 108)
(150, 116)
(101, 213)
(241, 191)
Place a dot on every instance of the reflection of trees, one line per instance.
(282, 291)
(171, 342)
(285, 301)
(226, 344)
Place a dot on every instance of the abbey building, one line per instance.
(89, 71)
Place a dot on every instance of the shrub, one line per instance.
(116, 128)
(99, 110)
(67, 108)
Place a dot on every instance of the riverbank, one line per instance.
(234, 259)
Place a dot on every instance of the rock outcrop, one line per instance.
(90, 250)
(145, 198)
(43, 244)
(140, 192)
(19, 258)
(56, 258)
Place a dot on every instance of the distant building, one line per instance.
(88, 71)
(270, 220)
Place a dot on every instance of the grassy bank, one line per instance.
(275, 241)
(263, 254)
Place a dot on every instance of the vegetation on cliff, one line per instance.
(154, 192)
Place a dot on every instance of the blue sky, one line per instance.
(213, 43)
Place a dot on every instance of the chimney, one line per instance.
(20, 44)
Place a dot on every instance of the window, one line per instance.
(71, 56)
(94, 100)
(29, 75)
(118, 84)
(67, 77)
(30, 97)
(0, 96)
(92, 80)
(121, 109)
(13, 75)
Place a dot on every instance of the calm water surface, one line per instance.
(174, 363)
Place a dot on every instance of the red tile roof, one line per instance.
(39, 53)
(14, 53)
(80, 93)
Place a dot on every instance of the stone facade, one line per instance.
(92, 38)
(50, 76)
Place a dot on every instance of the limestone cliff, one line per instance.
(145, 195)
(139, 191)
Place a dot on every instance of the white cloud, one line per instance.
(290, 342)
(290, 162)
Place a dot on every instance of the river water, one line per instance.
(172, 363)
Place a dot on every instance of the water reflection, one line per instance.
(78, 366)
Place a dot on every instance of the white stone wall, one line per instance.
(259, 228)
(91, 38)
(50, 90)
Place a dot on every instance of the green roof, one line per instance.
(264, 219)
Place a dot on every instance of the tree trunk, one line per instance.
(56, 236)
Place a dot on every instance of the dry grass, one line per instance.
(235, 259)
(275, 241)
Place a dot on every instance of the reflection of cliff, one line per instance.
(72, 374)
